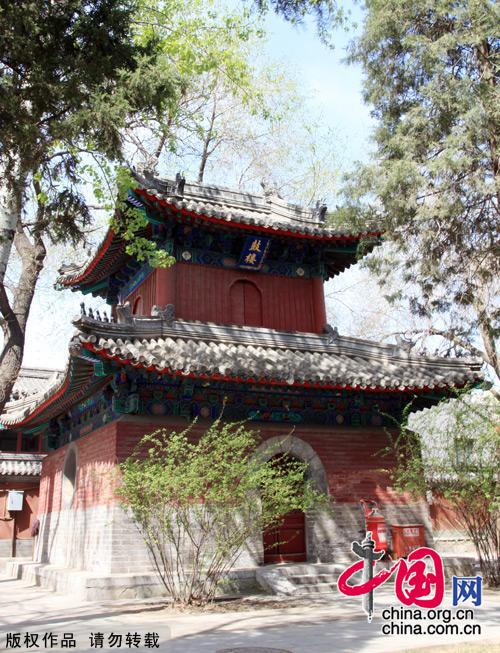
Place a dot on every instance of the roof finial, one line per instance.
(333, 333)
(320, 210)
(270, 189)
(124, 313)
(179, 184)
(403, 343)
(167, 314)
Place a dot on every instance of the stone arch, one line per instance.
(318, 545)
(296, 447)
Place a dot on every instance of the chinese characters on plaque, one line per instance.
(254, 252)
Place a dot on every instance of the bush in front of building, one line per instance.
(199, 502)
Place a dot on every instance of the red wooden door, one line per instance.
(286, 543)
(246, 304)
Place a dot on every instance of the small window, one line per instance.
(69, 478)
(464, 449)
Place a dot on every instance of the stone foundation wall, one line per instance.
(78, 539)
(105, 539)
(24, 548)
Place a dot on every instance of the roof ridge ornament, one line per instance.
(168, 187)
(180, 182)
(270, 190)
(124, 313)
(404, 343)
(320, 210)
(166, 314)
(332, 334)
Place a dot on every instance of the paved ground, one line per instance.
(333, 625)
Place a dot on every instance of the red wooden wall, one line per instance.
(25, 517)
(144, 297)
(226, 296)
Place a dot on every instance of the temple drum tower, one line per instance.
(241, 315)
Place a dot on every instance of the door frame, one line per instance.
(303, 451)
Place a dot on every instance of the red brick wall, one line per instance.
(443, 516)
(143, 298)
(95, 476)
(354, 464)
(351, 458)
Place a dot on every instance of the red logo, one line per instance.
(419, 579)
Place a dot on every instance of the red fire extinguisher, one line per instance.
(375, 522)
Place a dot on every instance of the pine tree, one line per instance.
(431, 76)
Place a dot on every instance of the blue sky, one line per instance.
(335, 87)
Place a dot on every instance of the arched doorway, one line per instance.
(287, 541)
(319, 545)
(246, 303)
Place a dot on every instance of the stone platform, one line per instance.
(88, 586)
(285, 579)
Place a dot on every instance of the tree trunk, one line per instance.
(486, 331)
(16, 312)
(206, 145)
(487, 70)
(12, 353)
(11, 194)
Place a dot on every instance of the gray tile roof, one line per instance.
(23, 464)
(32, 387)
(267, 211)
(43, 388)
(264, 212)
(247, 354)
(263, 355)
(474, 405)
(65, 387)
(31, 381)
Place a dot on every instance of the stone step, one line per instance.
(316, 588)
(12, 567)
(308, 579)
(306, 568)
